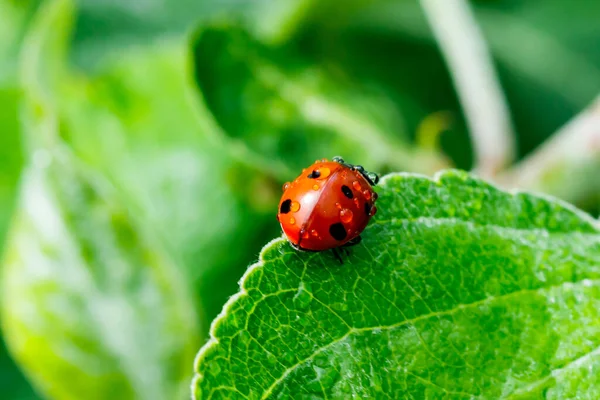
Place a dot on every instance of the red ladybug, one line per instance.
(327, 206)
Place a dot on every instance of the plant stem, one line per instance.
(479, 91)
(567, 165)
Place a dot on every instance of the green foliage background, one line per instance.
(180, 120)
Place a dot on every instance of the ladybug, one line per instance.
(328, 206)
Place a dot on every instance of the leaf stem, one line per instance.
(479, 91)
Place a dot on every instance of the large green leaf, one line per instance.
(459, 290)
(286, 109)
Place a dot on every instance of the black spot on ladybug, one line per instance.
(337, 231)
(285, 206)
(368, 208)
(347, 192)
(314, 174)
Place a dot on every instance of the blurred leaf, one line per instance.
(14, 16)
(108, 28)
(13, 384)
(146, 132)
(459, 290)
(93, 307)
(288, 111)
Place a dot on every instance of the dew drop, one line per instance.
(325, 172)
(317, 161)
(292, 221)
(244, 338)
(304, 234)
(339, 306)
(289, 358)
(315, 187)
(367, 195)
(295, 206)
(271, 359)
(314, 233)
(338, 206)
(356, 185)
(346, 215)
(286, 186)
(214, 368)
(356, 202)
(324, 160)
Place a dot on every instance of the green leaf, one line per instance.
(159, 146)
(459, 290)
(284, 109)
(93, 305)
(146, 133)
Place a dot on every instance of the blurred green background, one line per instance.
(143, 145)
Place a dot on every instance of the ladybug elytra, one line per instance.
(327, 206)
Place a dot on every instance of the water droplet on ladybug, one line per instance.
(367, 195)
(356, 185)
(286, 186)
(304, 234)
(314, 233)
(295, 206)
(346, 215)
(323, 160)
(315, 187)
(356, 202)
(317, 161)
(338, 205)
(324, 173)
(292, 221)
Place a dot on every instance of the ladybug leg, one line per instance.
(353, 242)
(337, 255)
